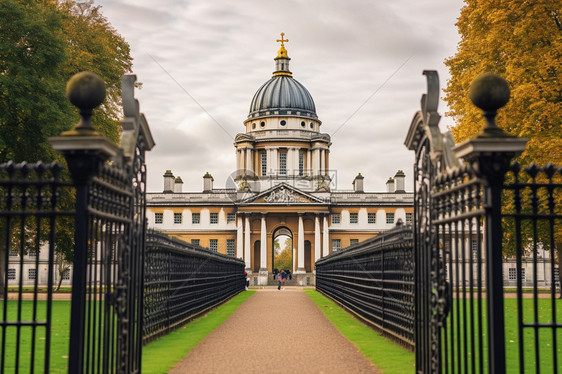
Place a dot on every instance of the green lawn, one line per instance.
(59, 337)
(388, 356)
(469, 349)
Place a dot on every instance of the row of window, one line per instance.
(283, 123)
(371, 218)
(29, 253)
(32, 274)
(195, 218)
(282, 163)
(336, 243)
(214, 245)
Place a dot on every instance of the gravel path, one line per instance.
(276, 332)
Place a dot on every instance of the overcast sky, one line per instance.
(214, 55)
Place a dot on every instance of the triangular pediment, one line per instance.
(283, 194)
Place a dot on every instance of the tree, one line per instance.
(43, 44)
(284, 258)
(520, 40)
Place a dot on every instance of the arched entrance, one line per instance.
(282, 248)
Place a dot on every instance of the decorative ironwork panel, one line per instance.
(532, 225)
(32, 215)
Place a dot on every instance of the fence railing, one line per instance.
(470, 216)
(182, 281)
(31, 213)
(375, 280)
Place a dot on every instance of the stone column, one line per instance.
(274, 161)
(249, 163)
(239, 238)
(317, 242)
(300, 247)
(309, 161)
(316, 161)
(322, 162)
(263, 244)
(326, 237)
(247, 244)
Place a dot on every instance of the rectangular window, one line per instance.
(32, 253)
(353, 241)
(474, 247)
(336, 218)
(336, 245)
(158, 218)
(11, 274)
(66, 274)
(230, 247)
(301, 163)
(195, 241)
(214, 218)
(196, 218)
(409, 218)
(371, 217)
(177, 218)
(283, 163)
(230, 217)
(523, 274)
(389, 217)
(31, 274)
(353, 218)
(214, 245)
(263, 163)
(13, 253)
(512, 274)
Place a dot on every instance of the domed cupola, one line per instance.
(282, 94)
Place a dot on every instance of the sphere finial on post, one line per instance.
(86, 91)
(490, 92)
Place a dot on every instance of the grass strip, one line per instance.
(162, 354)
(385, 354)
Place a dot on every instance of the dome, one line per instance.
(282, 93)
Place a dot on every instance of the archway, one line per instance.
(282, 249)
(257, 256)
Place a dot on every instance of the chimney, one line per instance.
(358, 183)
(169, 181)
(178, 185)
(390, 185)
(399, 180)
(207, 182)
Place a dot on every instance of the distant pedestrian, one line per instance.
(283, 278)
(246, 281)
(279, 280)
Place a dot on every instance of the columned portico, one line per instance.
(239, 237)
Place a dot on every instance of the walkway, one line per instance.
(276, 332)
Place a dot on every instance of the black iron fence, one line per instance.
(31, 213)
(182, 281)
(470, 217)
(375, 280)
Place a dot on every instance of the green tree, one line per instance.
(284, 258)
(43, 43)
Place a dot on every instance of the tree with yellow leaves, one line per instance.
(520, 40)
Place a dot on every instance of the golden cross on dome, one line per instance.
(282, 40)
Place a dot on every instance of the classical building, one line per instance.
(282, 187)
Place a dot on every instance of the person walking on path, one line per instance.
(279, 281)
(283, 278)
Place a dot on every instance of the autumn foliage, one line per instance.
(520, 40)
